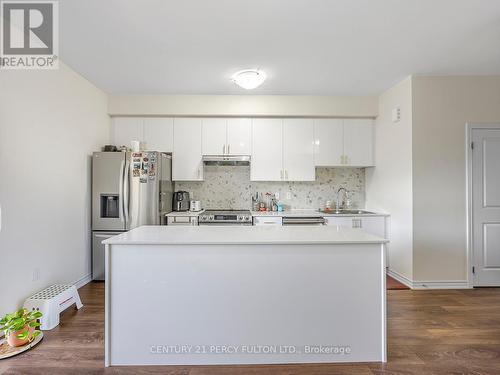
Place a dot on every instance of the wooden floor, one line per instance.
(393, 284)
(429, 332)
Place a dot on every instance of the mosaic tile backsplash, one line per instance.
(230, 187)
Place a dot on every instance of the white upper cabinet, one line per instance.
(214, 135)
(239, 136)
(127, 129)
(186, 158)
(267, 150)
(358, 142)
(298, 150)
(342, 143)
(328, 142)
(230, 136)
(159, 134)
(282, 150)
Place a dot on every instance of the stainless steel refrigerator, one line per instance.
(129, 189)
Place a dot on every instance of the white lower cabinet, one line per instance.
(375, 225)
(266, 220)
(182, 220)
(187, 156)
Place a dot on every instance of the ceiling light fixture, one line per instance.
(249, 78)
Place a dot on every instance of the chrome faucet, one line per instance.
(340, 203)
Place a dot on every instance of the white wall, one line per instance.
(243, 105)
(50, 122)
(441, 107)
(389, 184)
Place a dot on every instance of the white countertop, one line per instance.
(184, 213)
(310, 212)
(213, 235)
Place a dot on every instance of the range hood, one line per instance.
(232, 160)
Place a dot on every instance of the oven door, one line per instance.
(223, 223)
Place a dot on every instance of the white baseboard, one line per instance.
(402, 279)
(445, 284)
(83, 281)
(423, 285)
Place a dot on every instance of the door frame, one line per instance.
(469, 127)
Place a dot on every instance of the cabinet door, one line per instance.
(358, 142)
(239, 135)
(266, 220)
(159, 134)
(298, 150)
(328, 142)
(374, 225)
(267, 150)
(214, 136)
(127, 129)
(186, 158)
(344, 221)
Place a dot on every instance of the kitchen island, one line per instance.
(244, 295)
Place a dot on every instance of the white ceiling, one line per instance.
(309, 47)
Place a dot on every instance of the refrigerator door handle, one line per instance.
(126, 191)
(121, 192)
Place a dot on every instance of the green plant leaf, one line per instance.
(22, 335)
(37, 314)
(36, 333)
(20, 312)
(34, 324)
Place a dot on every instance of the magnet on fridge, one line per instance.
(136, 173)
(143, 180)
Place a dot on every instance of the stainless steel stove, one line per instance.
(225, 217)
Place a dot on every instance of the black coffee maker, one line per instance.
(180, 201)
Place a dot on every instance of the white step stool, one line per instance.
(51, 302)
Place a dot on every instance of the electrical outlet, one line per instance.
(36, 274)
(288, 195)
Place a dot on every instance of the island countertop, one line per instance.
(213, 235)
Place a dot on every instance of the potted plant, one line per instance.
(20, 327)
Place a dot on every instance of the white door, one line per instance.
(298, 150)
(486, 206)
(159, 134)
(186, 158)
(267, 150)
(127, 129)
(328, 142)
(358, 142)
(239, 136)
(214, 136)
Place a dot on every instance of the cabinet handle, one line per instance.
(346, 160)
(357, 223)
(281, 174)
(286, 174)
(228, 152)
(223, 149)
(341, 159)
